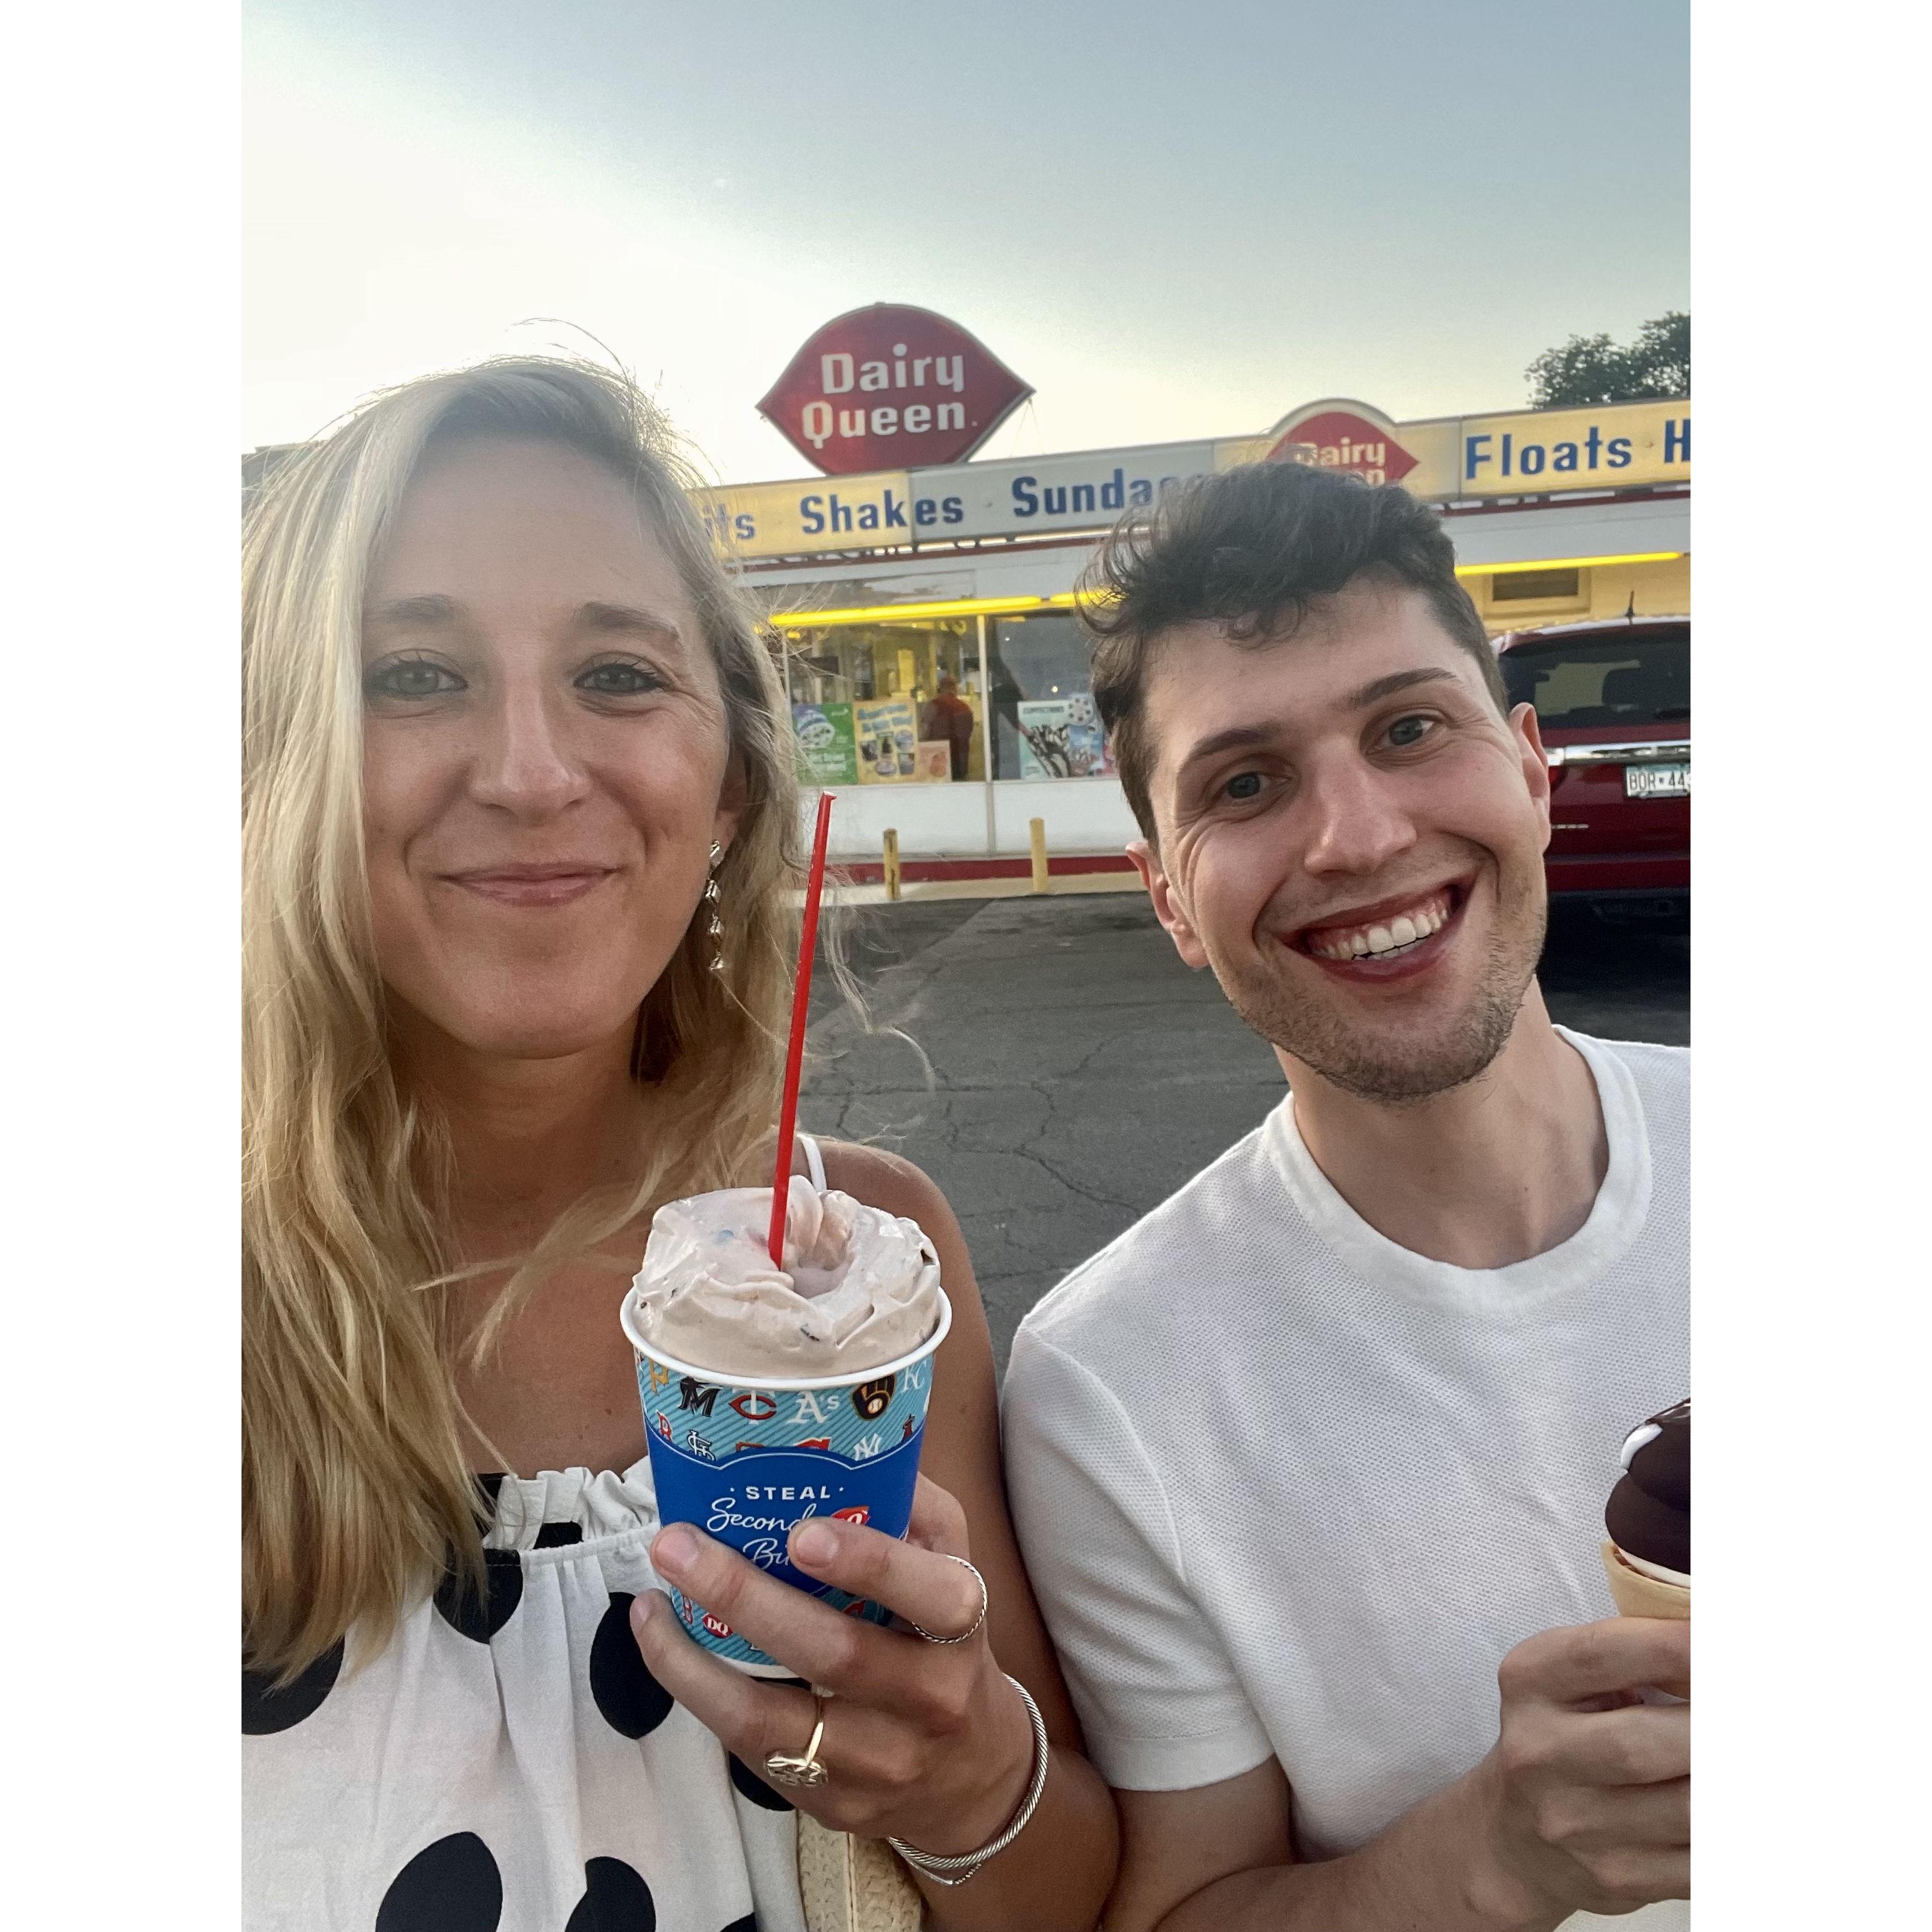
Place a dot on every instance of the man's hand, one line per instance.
(1587, 1793)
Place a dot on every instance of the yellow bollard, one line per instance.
(1036, 837)
(891, 864)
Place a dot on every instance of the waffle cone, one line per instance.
(1638, 1595)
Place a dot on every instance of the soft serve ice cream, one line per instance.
(859, 1287)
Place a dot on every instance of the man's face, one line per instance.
(1352, 837)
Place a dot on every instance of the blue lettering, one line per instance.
(1566, 456)
(1593, 444)
(810, 515)
(746, 528)
(1475, 453)
(1620, 452)
(1048, 496)
(953, 510)
(1523, 455)
(1507, 439)
(1083, 496)
(895, 512)
(841, 515)
(869, 516)
(1113, 496)
(1677, 440)
(925, 511)
(1028, 504)
(1140, 491)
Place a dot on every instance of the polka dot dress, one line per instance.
(508, 1764)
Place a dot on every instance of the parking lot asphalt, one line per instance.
(1079, 1073)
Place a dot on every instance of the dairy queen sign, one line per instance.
(891, 387)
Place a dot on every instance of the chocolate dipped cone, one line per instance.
(1648, 1518)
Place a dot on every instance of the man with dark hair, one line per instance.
(1310, 1464)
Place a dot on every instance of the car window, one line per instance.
(1602, 681)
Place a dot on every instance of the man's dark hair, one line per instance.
(1252, 548)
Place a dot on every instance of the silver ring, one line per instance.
(783, 1768)
(973, 1631)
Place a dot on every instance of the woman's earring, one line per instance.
(711, 898)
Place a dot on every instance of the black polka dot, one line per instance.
(452, 1886)
(264, 1710)
(477, 1618)
(555, 1535)
(632, 1700)
(615, 1900)
(755, 1788)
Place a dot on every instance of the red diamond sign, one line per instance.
(1341, 436)
(891, 387)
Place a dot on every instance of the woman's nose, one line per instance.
(525, 764)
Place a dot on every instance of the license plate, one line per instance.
(1657, 781)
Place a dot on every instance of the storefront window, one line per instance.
(888, 704)
(1045, 725)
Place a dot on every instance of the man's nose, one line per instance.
(525, 763)
(1356, 822)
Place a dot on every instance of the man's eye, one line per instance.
(619, 680)
(1242, 787)
(1410, 730)
(411, 677)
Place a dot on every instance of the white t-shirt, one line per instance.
(1286, 1489)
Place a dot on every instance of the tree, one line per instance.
(1591, 369)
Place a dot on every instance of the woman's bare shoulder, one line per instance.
(883, 1179)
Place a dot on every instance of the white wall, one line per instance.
(1081, 815)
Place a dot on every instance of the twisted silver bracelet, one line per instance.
(957, 1870)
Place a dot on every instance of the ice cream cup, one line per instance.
(745, 1457)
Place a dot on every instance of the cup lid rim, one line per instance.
(730, 1378)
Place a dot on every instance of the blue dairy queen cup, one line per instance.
(744, 1457)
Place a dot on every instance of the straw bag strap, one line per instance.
(854, 1884)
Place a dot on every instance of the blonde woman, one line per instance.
(505, 717)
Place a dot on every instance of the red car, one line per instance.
(1612, 697)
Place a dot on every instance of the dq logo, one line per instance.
(857, 1607)
(858, 1513)
(716, 1626)
(692, 1394)
(816, 1442)
(755, 1405)
(871, 1399)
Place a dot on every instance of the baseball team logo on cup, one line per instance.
(745, 1457)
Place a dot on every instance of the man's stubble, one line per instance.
(1396, 1073)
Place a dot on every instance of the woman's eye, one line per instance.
(411, 677)
(1406, 731)
(619, 680)
(1242, 787)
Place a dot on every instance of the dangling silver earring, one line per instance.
(711, 898)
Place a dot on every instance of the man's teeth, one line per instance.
(1418, 923)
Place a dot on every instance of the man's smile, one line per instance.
(1389, 938)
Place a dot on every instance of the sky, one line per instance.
(1175, 220)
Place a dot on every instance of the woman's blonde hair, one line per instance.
(356, 1490)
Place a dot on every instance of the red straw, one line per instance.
(801, 1000)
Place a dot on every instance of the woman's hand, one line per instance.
(923, 1742)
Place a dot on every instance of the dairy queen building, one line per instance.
(904, 581)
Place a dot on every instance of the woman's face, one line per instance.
(545, 756)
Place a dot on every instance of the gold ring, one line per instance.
(782, 1769)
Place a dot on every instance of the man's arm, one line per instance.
(1583, 1804)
